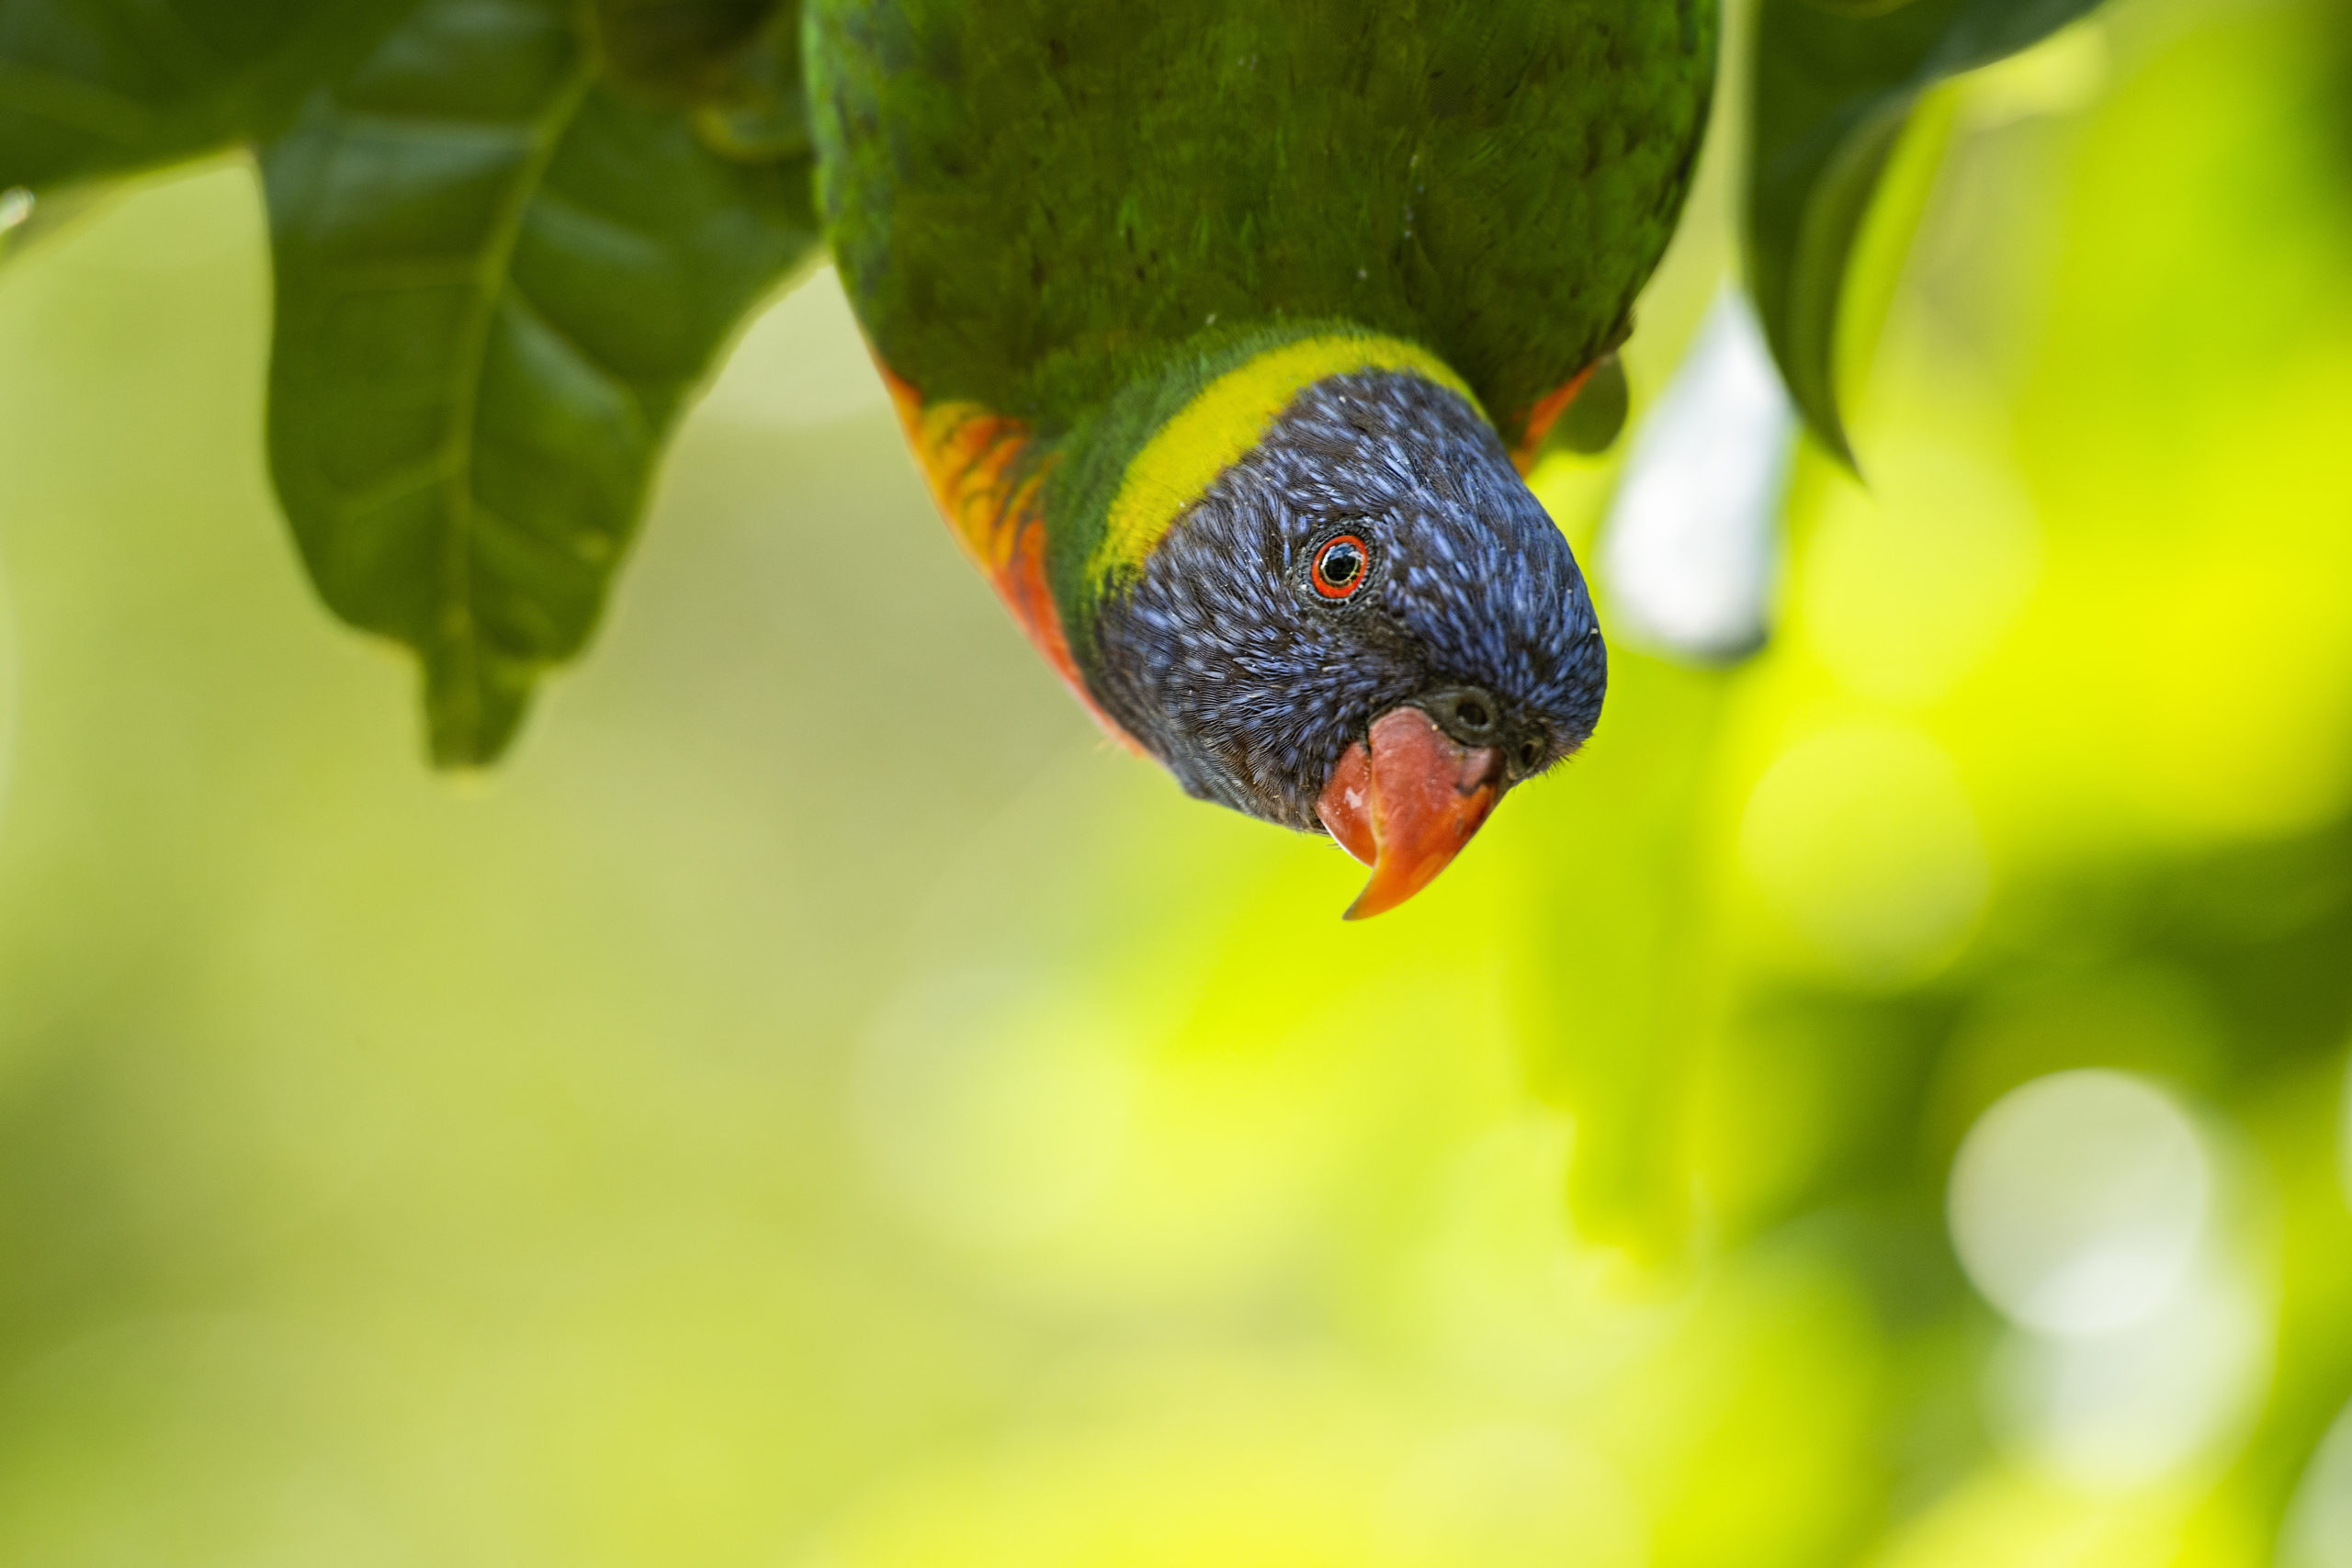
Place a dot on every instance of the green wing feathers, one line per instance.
(1026, 218)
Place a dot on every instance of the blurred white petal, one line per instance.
(1689, 547)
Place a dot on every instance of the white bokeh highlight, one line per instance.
(1688, 551)
(2121, 1408)
(2077, 1201)
(2086, 1206)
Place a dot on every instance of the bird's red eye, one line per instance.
(1340, 567)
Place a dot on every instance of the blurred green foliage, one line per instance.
(780, 1121)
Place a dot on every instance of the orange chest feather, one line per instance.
(1543, 417)
(989, 481)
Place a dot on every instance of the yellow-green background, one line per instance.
(819, 1107)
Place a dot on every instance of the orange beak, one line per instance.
(1407, 805)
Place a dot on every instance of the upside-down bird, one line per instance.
(1224, 332)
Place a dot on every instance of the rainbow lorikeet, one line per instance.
(1224, 331)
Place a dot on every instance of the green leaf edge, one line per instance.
(477, 693)
(473, 705)
(471, 713)
(1801, 315)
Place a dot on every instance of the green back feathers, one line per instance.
(1026, 219)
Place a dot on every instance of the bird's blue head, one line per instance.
(1366, 624)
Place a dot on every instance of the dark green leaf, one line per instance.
(1834, 88)
(682, 50)
(736, 64)
(759, 111)
(497, 284)
(91, 88)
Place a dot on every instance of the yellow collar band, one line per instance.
(1223, 421)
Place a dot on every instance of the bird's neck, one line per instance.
(1123, 478)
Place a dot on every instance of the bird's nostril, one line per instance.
(1467, 713)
